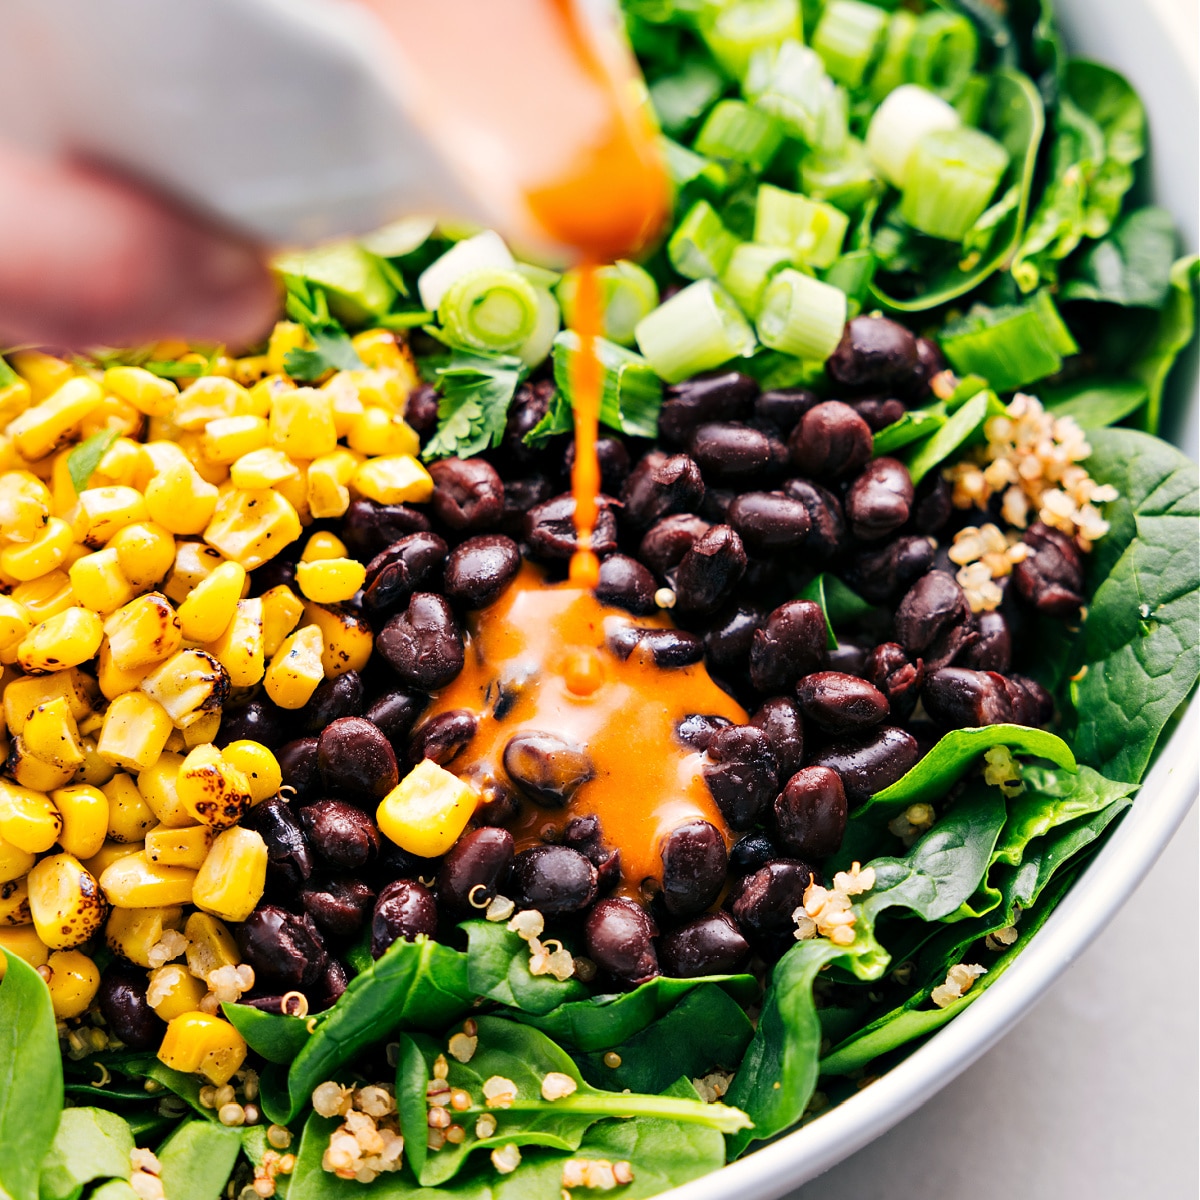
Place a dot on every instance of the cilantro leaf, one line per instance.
(333, 350)
(85, 458)
(476, 390)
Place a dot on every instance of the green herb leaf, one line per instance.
(1132, 266)
(916, 425)
(839, 603)
(476, 390)
(90, 1144)
(351, 278)
(85, 458)
(334, 352)
(955, 432)
(276, 1037)
(197, 1160)
(7, 375)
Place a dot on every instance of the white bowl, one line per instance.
(1150, 41)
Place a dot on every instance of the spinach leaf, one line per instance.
(85, 458)
(1094, 403)
(276, 1037)
(916, 424)
(114, 1189)
(31, 1078)
(476, 390)
(839, 603)
(1132, 266)
(197, 1160)
(1139, 649)
(90, 1144)
(1176, 328)
(951, 435)
(498, 968)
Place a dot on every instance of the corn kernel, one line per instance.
(84, 812)
(240, 649)
(197, 1042)
(381, 389)
(135, 731)
(249, 370)
(44, 373)
(251, 527)
(99, 583)
(158, 454)
(295, 668)
(393, 479)
(180, 500)
(108, 854)
(46, 597)
(194, 562)
(31, 772)
(95, 771)
(25, 506)
(15, 622)
(122, 464)
(328, 495)
(173, 991)
(347, 406)
(28, 819)
(286, 336)
(23, 941)
(102, 512)
(427, 810)
(210, 945)
(52, 735)
(65, 640)
(346, 639)
(188, 685)
(294, 490)
(214, 791)
(145, 553)
(282, 610)
(65, 902)
(24, 561)
(73, 983)
(258, 764)
(231, 881)
(111, 415)
(228, 438)
(129, 816)
(380, 348)
(208, 399)
(322, 545)
(179, 847)
(378, 433)
(40, 429)
(15, 398)
(14, 904)
(175, 743)
(135, 882)
(262, 469)
(204, 729)
(302, 423)
(14, 862)
(158, 785)
(148, 393)
(112, 680)
(23, 695)
(143, 632)
(207, 611)
(330, 580)
(134, 932)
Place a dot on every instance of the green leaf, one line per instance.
(90, 1144)
(334, 352)
(1095, 404)
(197, 1160)
(680, 99)
(839, 603)
(114, 1189)
(31, 1080)
(276, 1037)
(351, 278)
(7, 375)
(476, 390)
(916, 424)
(498, 968)
(1132, 266)
(1176, 328)
(85, 458)
(955, 432)
(176, 370)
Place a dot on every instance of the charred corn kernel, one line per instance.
(249, 370)
(251, 527)
(145, 552)
(25, 506)
(65, 901)
(95, 771)
(143, 632)
(46, 597)
(376, 432)
(84, 812)
(194, 562)
(282, 610)
(377, 348)
(212, 789)
(393, 479)
(14, 862)
(258, 764)
(302, 423)
(262, 469)
(15, 622)
(133, 932)
(64, 640)
(23, 695)
(196, 1042)
(173, 991)
(159, 787)
(14, 903)
(44, 373)
(204, 729)
(73, 983)
(113, 681)
(330, 580)
(148, 393)
(24, 561)
(15, 398)
(135, 731)
(178, 499)
(207, 611)
(135, 882)
(52, 735)
(208, 399)
(240, 649)
(38, 430)
(31, 772)
(228, 438)
(285, 337)
(188, 685)
(346, 640)
(108, 854)
(231, 881)
(102, 512)
(210, 945)
(328, 495)
(427, 810)
(23, 941)
(99, 583)
(179, 847)
(295, 668)
(129, 816)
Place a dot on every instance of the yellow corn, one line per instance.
(347, 405)
(195, 1041)
(145, 552)
(207, 611)
(158, 785)
(322, 545)
(330, 580)
(175, 743)
(262, 469)
(15, 398)
(52, 735)
(179, 847)
(240, 649)
(346, 640)
(108, 854)
(376, 432)
(39, 430)
(231, 881)
(14, 903)
(143, 632)
(286, 335)
(65, 640)
(112, 680)
(302, 423)
(129, 816)
(15, 622)
(44, 373)
(134, 932)
(295, 669)
(84, 812)
(25, 506)
(135, 882)
(380, 389)
(214, 791)
(251, 527)
(249, 370)
(148, 393)
(73, 983)
(14, 862)
(122, 465)
(258, 764)
(173, 991)
(188, 685)
(194, 562)
(328, 495)
(23, 941)
(294, 490)
(426, 812)
(210, 945)
(380, 348)
(228, 438)
(180, 500)
(393, 479)
(28, 819)
(24, 561)
(135, 731)
(112, 414)
(103, 512)
(99, 583)
(65, 901)
(204, 729)
(23, 695)
(31, 772)
(208, 399)
(45, 597)
(95, 771)
(282, 610)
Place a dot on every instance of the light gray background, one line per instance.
(1093, 1095)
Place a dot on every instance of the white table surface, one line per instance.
(1092, 1096)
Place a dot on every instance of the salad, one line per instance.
(348, 847)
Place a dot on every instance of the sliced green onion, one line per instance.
(682, 98)
(943, 52)
(844, 179)
(490, 309)
(852, 273)
(739, 133)
(540, 277)
(811, 229)
(750, 268)
(627, 293)
(899, 123)
(893, 62)
(692, 173)
(400, 237)
(484, 250)
(789, 83)
(630, 391)
(700, 246)
(696, 329)
(1012, 346)
(846, 38)
(951, 177)
(802, 316)
(740, 29)
(533, 350)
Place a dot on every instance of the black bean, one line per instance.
(783, 407)
(613, 459)
(715, 507)
(420, 408)
(341, 696)
(881, 575)
(1040, 710)
(550, 528)
(731, 451)
(1050, 577)
(340, 833)
(585, 835)
(284, 949)
(934, 620)
(473, 868)
(874, 352)
(668, 647)
(553, 879)
(481, 568)
(763, 903)
(395, 713)
(841, 703)
(827, 531)
(878, 412)
(279, 571)
(625, 583)
(298, 766)
(779, 718)
(742, 774)
(329, 988)
(697, 729)
(499, 802)
(367, 528)
(467, 493)
(751, 852)
(709, 945)
(727, 641)
(338, 905)
(879, 500)
(396, 863)
(956, 697)
(528, 407)
(442, 737)
(898, 676)
(769, 521)
(831, 441)
(847, 657)
(520, 495)
(810, 813)
(723, 397)
(357, 761)
(405, 910)
(546, 767)
(660, 485)
(126, 1011)
(694, 861)
(258, 721)
(930, 362)
(410, 564)
(993, 650)
(667, 541)
(868, 765)
(791, 644)
(934, 505)
(289, 861)
(423, 644)
(619, 937)
(709, 571)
